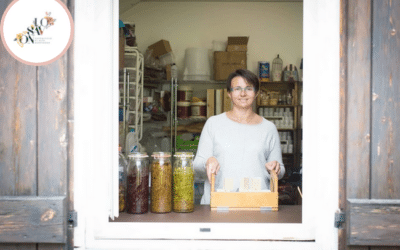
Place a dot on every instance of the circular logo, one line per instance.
(37, 32)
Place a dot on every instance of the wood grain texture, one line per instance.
(19, 246)
(342, 239)
(374, 222)
(203, 214)
(28, 219)
(385, 158)
(358, 99)
(52, 128)
(18, 141)
(18, 130)
(71, 119)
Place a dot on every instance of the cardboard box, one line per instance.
(237, 43)
(160, 48)
(227, 62)
(168, 71)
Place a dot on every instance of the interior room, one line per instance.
(175, 58)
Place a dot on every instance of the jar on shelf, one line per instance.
(183, 182)
(161, 183)
(137, 198)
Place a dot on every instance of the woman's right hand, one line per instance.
(212, 167)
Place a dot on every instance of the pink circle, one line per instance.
(41, 63)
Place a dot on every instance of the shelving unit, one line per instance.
(131, 98)
(291, 158)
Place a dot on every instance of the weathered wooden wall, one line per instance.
(36, 130)
(370, 122)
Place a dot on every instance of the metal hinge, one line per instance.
(340, 218)
(73, 219)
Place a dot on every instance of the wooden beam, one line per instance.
(27, 219)
(373, 222)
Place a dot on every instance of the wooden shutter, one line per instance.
(36, 135)
(370, 123)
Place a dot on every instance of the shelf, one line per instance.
(203, 214)
(279, 106)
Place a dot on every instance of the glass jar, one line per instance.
(137, 200)
(183, 183)
(122, 165)
(161, 183)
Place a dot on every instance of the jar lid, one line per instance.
(184, 104)
(199, 103)
(185, 88)
(184, 154)
(161, 155)
(138, 155)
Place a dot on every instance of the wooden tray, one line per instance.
(246, 200)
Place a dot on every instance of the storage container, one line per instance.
(137, 199)
(198, 109)
(161, 183)
(183, 182)
(185, 94)
(183, 109)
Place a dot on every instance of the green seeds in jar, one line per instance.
(183, 183)
(183, 190)
(161, 185)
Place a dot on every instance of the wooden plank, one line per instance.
(358, 99)
(18, 142)
(342, 237)
(19, 246)
(374, 222)
(52, 132)
(357, 107)
(71, 119)
(385, 144)
(28, 219)
(210, 102)
(52, 128)
(203, 214)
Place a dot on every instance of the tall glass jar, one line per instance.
(122, 162)
(161, 183)
(183, 182)
(137, 199)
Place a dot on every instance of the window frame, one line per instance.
(96, 113)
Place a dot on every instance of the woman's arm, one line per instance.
(204, 151)
(274, 160)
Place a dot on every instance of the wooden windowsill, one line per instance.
(203, 214)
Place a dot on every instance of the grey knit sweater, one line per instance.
(241, 150)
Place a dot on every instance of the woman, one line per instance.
(239, 143)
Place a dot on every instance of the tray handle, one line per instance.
(212, 182)
(273, 181)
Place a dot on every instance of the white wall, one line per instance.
(274, 28)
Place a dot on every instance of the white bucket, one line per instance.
(197, 64)
(219, 46)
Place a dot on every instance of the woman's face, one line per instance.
(242, 93)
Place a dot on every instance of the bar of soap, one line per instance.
(228, 184)
(255, 184)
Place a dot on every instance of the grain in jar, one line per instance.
(183, 182)
(161, 183)
(138, 184)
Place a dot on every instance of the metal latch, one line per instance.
(340, 218)
(73, 219)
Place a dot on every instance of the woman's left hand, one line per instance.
(273, 166)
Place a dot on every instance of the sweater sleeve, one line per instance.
(276, 154)
(204, 151)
